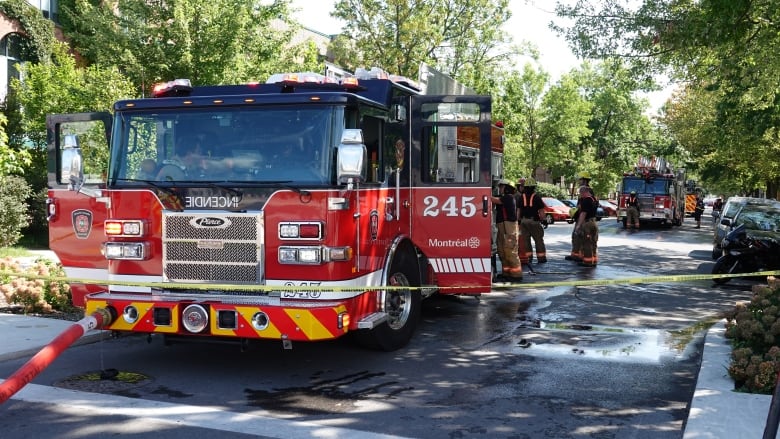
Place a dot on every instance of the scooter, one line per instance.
(743, 253)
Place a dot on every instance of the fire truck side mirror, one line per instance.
(352, 157)
(70, 164)
(398, 113)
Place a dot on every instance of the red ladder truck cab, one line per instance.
(300, 209)
(660, 189)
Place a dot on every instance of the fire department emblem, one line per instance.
(82, 223)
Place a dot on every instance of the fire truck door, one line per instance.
(451, 209)
(76, 207)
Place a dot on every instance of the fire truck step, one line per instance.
(372, 320)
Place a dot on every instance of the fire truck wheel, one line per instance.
(402, 306)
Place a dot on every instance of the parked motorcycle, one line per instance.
(743, 253)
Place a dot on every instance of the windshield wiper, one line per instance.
(219, 185)
(166, 189)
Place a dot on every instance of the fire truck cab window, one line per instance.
(451, 147)
(261, 145)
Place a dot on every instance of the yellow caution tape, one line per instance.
(501, 286)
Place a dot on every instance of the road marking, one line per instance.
(82, 404)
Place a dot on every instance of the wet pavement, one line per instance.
(524, 362)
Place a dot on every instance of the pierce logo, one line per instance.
(210, 222)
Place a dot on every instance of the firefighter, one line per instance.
(521, 248)
(698, 211)
(531, 209)
(586, 228)
(632, 211)
(506, 238)
(185, 161)
(583, 180)
(717, 206)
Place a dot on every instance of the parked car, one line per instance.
(610, 208)
(572, 203)
(556, 210)
(758, 214)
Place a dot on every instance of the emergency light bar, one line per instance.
(311, 80)
(177, 87)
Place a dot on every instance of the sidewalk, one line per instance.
(716, 410)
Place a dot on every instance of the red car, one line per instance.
(610, 208)
(555, 210)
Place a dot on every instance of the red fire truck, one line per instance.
(299, 209)
(660, 189)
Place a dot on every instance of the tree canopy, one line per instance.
(463, 38)
(722, 52)
(214, 42)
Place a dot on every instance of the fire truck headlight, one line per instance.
(300, 255)
(309, 255)
(135, 251)
(300, 230)
(195, 318)
(127, 228)
(288, 231)
(287, 255)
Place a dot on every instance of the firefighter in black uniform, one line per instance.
(506, 239)
(531, 209)
(632, 211)
(586, 229)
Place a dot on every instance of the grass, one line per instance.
(15, 252)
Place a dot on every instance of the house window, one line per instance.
(10, 60)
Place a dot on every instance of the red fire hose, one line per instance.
(99, 319)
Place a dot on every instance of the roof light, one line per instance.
(294, 78)
(177, 87)
(374, 73)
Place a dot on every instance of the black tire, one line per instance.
(550, 219)
(716, 252)
(403, 307)
(725, 265)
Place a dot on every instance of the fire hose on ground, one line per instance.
(99, 319)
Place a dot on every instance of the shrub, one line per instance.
(35, 294)
(13, 209)
(754, 330)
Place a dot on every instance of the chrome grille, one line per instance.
(230, 254)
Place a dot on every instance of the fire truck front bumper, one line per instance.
(264, 318)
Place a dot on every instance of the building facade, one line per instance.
(11, 34)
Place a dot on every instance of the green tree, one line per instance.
(727, 48)
(524, 96)
(214, 42)
(59, 86)
(566, 113)
(460, 37)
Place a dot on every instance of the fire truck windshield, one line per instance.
(208, 145)
(657, 186)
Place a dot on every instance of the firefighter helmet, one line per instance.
(633, 192)
(584, 175)
(530, 182)
(505, 182)
(521, 181)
